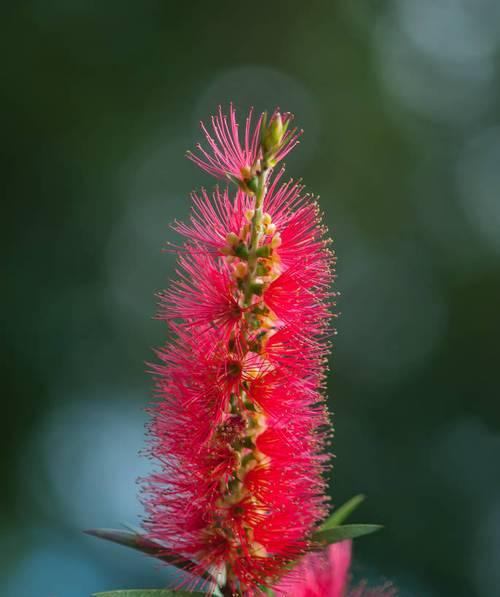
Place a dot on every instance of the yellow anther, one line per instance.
(271, 229)
(249, 214)
(266, 219)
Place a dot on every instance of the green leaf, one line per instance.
(342, 512)
(137, 541)
(147, 593)
(346, 531)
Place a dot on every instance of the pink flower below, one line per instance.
(326, 574)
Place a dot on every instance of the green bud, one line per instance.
(272, 135)
(253, 184)
(270, 161)
(261, 269)
(233, 484)
(247, 442)
(247, 459)
(264, 251)
(276, 129)
(257, 289)
(241, 251)
(232, 239)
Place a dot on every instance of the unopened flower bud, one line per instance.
(276, 129)
(272, 136)
(241, 250)
(271, 229)
(226, 250)
(262, 269)
(266, 219)
(258, 286)
(232, 239)
(240, 269)
(263, 251)
(276, 241)
(245, 172)
(253, 184)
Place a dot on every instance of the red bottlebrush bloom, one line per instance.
(326, 574)
(240, 422)
(228, 157)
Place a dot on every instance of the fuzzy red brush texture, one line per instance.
(226, 154)
(239, 425)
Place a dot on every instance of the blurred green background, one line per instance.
(399, 100)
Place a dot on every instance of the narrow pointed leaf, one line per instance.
(342, 512)
(148, 593)
(346, 531)
(136, 541)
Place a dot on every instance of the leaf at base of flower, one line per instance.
(148, 593)
(136, 541)
(343, 532)
(342, 512)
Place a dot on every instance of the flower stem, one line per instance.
(255, 234)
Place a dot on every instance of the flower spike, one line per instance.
(240, 423)
(239, 426)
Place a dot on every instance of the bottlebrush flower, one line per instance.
(240, 422)
(326, 574)
(227, 158)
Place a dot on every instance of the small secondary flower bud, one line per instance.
(240, 269)
(276, 241)
(253, 184)
(232, 239)
(266, 219)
